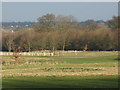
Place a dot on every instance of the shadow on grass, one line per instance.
(60, 82)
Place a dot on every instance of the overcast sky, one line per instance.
(30, 11)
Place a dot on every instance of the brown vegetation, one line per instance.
(64, 33)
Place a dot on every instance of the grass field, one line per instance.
(88, 69)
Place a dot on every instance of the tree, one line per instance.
(24, 39)
(28, 35)
(45, 23)
(63, 23)
(8, 41)
(63, 40)
(91, 25)
(53, 41)
(113, 24)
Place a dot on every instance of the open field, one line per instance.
(61, 82)
(88, 69)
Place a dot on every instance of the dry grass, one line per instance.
(48, 66)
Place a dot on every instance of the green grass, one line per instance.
(90, 60)
(61, 82)
(91, 53)
(31, 72)
(108, 60)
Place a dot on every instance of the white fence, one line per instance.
(30, 54)
(41, 53)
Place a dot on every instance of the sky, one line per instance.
(30, 11)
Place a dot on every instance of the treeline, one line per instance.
(31, 24)
(64, 33)
(17, 24)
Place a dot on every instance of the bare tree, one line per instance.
(8, 41)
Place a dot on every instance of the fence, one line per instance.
(39, 53)
(28, 54)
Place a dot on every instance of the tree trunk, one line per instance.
(29, 46)
(63, 47)
(9, 49)
(53, 50)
